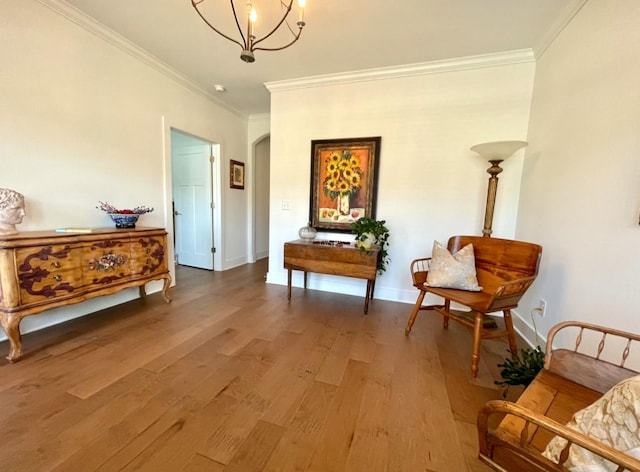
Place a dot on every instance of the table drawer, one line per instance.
(48, 272)
(148, 256)
(106, 262)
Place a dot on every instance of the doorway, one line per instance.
(193, 188)
(262, 165)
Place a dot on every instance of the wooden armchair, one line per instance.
(571, 380)
(505, 269)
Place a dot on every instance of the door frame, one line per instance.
(167, 125)
(180, 143)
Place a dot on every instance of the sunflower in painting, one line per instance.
(344, 174)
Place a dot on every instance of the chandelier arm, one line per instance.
(235, 17)
(284, 17)
(289, 28)
(286, 22)
(195, 7)
(283, 47)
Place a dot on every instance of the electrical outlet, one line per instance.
(542, 307)
(286, 205)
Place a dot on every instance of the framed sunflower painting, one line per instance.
(344, 179)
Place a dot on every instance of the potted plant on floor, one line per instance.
(370, 232)
(521, 370)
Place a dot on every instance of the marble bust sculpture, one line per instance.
(11, 210)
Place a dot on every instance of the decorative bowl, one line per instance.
(124, 220)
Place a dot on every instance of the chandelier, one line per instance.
(249, 42)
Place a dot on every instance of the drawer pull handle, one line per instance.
(56, 264)
(57, 278)
(148, 251)
(148, 261)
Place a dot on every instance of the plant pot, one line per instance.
(368, 242)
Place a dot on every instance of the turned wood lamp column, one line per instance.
(495, 152)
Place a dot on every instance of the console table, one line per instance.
(333, 258)
(40, 270)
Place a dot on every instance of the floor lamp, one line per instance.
(495, 152)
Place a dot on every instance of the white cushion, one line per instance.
(457, 270)
(614, 419)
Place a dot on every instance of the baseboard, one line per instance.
(63, 314)
(526, 330)
(343, 285)
(230, 264)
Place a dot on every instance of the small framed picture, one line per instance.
(237, 174)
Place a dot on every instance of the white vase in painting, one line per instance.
(343, 203)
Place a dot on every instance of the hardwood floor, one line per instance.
(231, 377)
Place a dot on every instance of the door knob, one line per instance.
(177, 213)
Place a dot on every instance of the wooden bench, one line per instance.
(505, 269)
(570, 381)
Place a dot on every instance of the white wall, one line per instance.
(82, 121)
(431, 186)
(580, 194)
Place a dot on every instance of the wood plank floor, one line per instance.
(231, 377)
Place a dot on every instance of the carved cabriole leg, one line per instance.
(511, 336)
(477, 333)
(414, 313)
(11, 324)
(165, 288)
(143, 292)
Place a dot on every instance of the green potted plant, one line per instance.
(371, 232)
(521, 370)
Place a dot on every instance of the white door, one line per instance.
(192, 202)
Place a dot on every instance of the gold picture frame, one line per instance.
(344, 179)
(236, 177)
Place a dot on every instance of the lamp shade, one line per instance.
(498, 150)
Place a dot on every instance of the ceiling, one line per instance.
(340, 36)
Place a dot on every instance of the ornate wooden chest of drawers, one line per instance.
(40, 270)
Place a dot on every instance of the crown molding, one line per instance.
(558, 25)
(83, 20)
(259, 116)
(425, 68)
